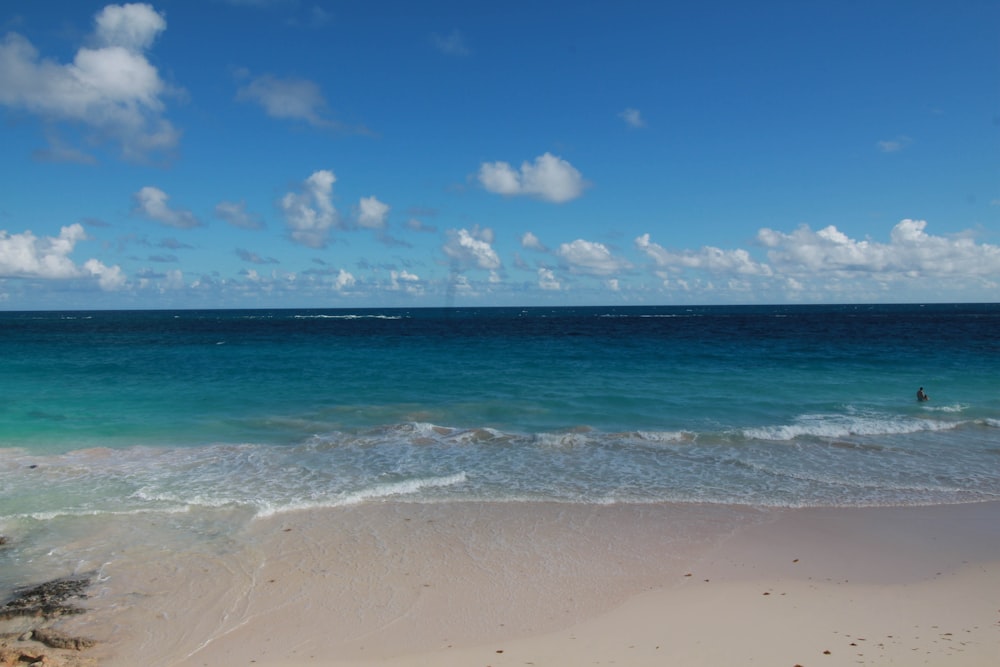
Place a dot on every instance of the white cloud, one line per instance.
(547, 280)
(911, 252)
(25, 255)
(133, 26)
(235, 213)
(295, 99)
(500, 178)
(530, 241)
(112, 89)
(709, 259)
(472, 249)
(173, 280)
(110, 278)
(591, 258)
(461, 285)
(28, 256)
(633, 118)
(310, 215)
(372, 213)
(827, 263)
(151, 202)
(405, 281)
(549, 178)
(344, 281)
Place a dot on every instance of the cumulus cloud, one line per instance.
(589, 258)
(405, 281)
(812, 262)
(25, 255)
(344, 281)
(472, 249)
(151, 203)
(707, 258)
(28, 256)
(133, 26)
(531, 242)
(632, 118)
(112, 89)
(372, 213)
(172, 280)
(235, 213)
(549, 178)
(911, 252)
(109, 278)
(547, 280)
(292, 99)
(309, 214)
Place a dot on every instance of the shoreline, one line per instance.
(461, 584)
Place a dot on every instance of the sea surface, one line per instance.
(179, 416)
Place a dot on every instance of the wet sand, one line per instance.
(548, 584)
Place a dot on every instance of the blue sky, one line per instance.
(356, 153)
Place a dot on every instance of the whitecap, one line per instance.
(944, 408)
(372, 493)
(842, 426)
(349, 316)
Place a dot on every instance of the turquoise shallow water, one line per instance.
(250, 413)
(278, 409)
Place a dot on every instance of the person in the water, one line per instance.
(921, 396)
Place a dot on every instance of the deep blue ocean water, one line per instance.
(105, 414)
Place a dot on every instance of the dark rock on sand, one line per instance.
(43, 604)
(46, 600)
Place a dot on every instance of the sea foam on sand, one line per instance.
(462, 584)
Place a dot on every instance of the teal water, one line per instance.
(104, 414)
(74, 380)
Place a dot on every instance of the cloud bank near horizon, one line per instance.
(819, 264)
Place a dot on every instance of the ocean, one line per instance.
(206, 421)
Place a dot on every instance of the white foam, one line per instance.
(944, 408)
(348, 317)
(665, 436)
(58, 514)
(376, 492)
(563, 440)
(403, 488)
(196, 500)
(842, 426)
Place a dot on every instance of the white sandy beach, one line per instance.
(494, 584)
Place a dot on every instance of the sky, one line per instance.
(391, 153)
